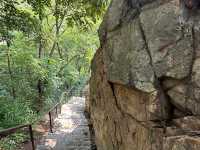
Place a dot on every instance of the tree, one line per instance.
(70, 13)
(39, 7)
(45, 47)
(12, 19)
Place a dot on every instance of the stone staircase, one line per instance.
(71, 129)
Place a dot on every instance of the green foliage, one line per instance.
(12, 142)
(12, 18)
(38, 6)
(81, 13)
(15, 113)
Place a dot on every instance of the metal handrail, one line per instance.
(13, 130)
(50, 115)
(10, 131)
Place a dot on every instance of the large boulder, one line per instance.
(144, 87)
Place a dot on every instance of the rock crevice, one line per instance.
(145, 83)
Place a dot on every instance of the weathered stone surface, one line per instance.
(189, 123)
(126, 59)
(178, 96)
(86, 93)
(171, 52)
(146, 69)
(114, 114)
(182, 143)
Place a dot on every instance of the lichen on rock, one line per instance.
(144, 88)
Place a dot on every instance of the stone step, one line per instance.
(71, 129)
(78, 148)
(43, 147)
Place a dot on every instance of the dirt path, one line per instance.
(71, 131)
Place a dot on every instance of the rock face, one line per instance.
(145, 83)
(87, 99)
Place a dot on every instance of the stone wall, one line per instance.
(144, 89)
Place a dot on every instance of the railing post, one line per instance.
(60, 107)
(31, 136)
(50, 122)
(57, 110)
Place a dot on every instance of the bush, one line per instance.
(12, 142)
(15, 112)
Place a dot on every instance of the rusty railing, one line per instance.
(56, 108)
(9, 131)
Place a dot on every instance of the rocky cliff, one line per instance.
(145, 84)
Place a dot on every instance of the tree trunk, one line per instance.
(13, 92)
(40, 83)
(59, 22)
